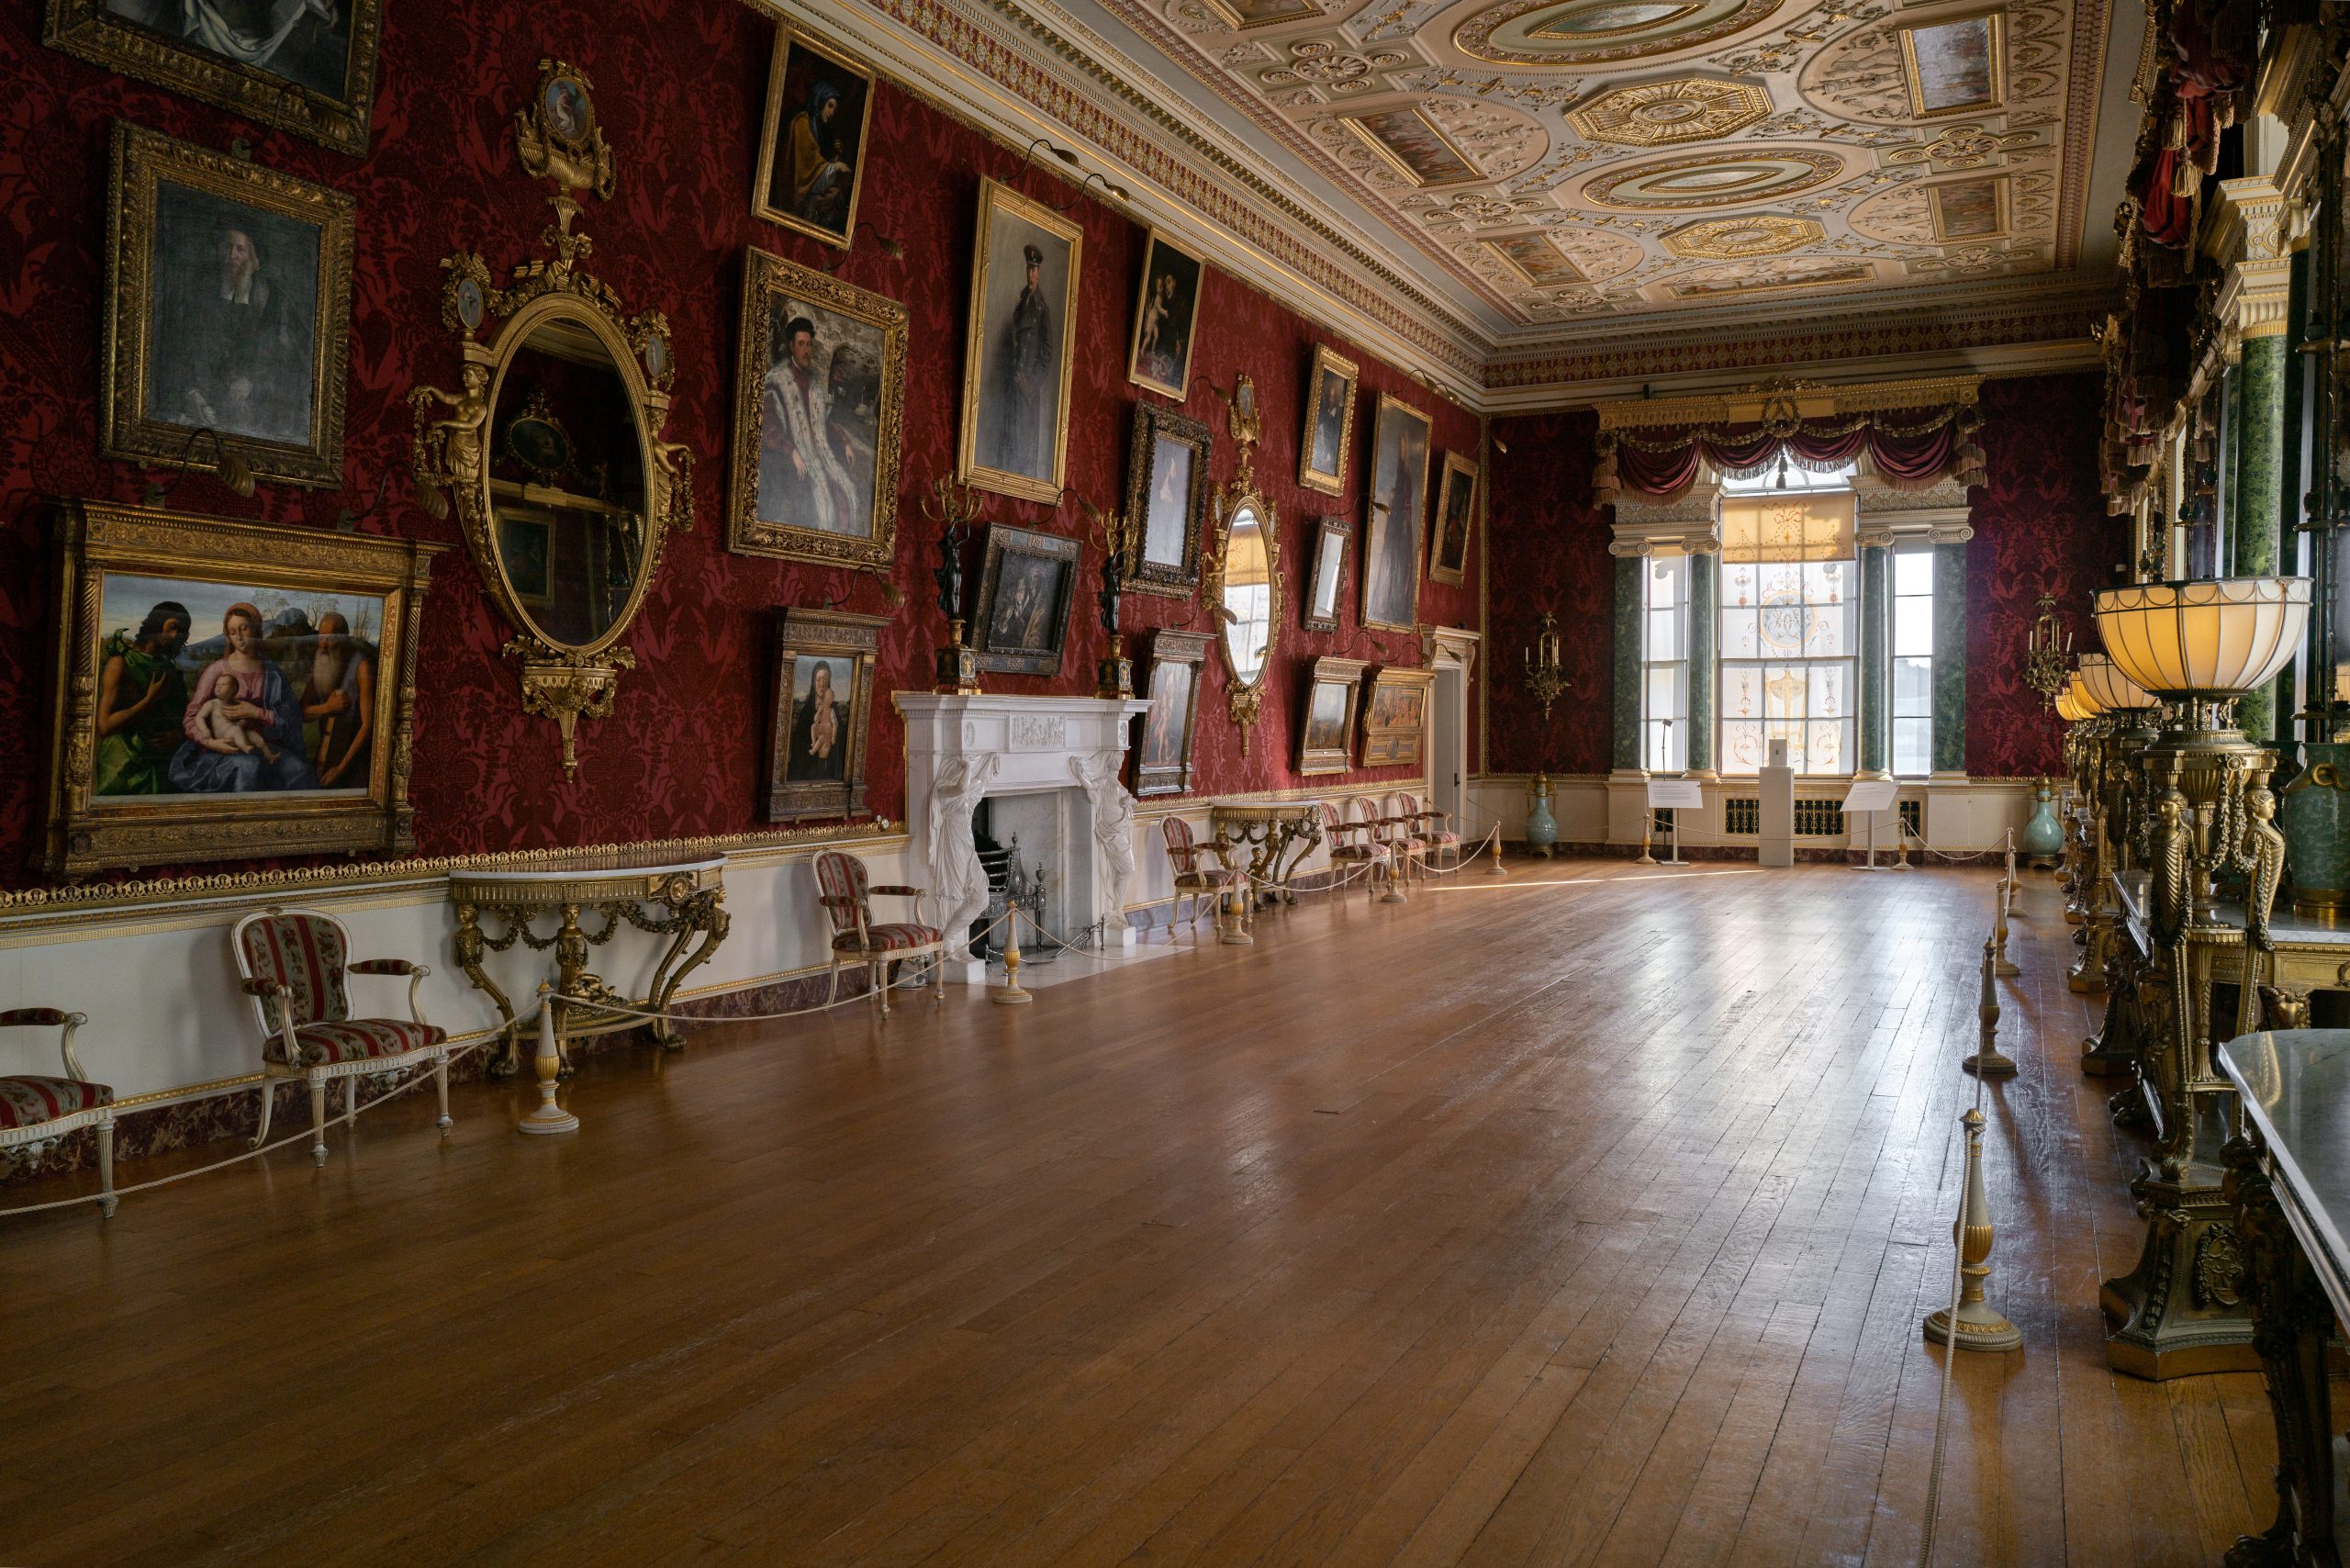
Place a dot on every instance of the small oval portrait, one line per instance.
(471, 307)
(657, 357)
(569, 114)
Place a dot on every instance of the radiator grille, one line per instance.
(1820, 819)
(1741, 816)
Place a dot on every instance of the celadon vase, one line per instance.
(1541, 827)
(2042, 839)
(2313, 813)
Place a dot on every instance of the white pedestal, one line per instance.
(1775, 842)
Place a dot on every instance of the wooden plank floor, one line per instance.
(1585, 1216)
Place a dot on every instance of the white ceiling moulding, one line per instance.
(1404, 327)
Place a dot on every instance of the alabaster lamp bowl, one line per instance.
(2067, 709)
(2101, 688)
(2199, 645)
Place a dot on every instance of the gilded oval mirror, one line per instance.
(1248, 595)
(565, 479)
(1245, 581)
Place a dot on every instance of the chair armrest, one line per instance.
(904, 892)
(835, 900)
(37, 1018)
(387, 967)
(264, 989)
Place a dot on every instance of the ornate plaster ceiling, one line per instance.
(1514, 180)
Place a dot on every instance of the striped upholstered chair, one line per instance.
(35, 1112)
(1194, 877)
(294, 962)
(1428, 825)
(843, 889)
(1356, 843)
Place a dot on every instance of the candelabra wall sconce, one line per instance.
(1544, 680)
(2048, 655)
(1118, 537)
(952, 507)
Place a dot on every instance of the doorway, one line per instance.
(1449, 741)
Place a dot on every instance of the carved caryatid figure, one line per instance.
(1113, 830)
(956, 878)
(449, 452)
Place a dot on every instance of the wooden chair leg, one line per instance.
(881, 985)
(832, 981)
(317, 1120)
(351, 1103)
(441, 1087)
(268, 1100)
(106, 1200)
(938, 977)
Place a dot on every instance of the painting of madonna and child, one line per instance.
(216, 688)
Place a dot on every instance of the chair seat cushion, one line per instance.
(1187, 880)
(1440, 837)
(26, 1101)
(890, 938)
(354, 1039)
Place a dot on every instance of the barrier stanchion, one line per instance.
(1987, 1062)
(1970, 1323)
(1008, 993)
(549, 1117)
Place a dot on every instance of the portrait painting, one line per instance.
(1027, 581)
(524, 546)
(1016, 361)
(1329, 422)
(1413, 145)
(1167, 494)
(1325, 740)
(820, 391)
(305, 66)
(1163, 754)
(229, 312)
(1166, 316)
(1953, 67)
(812, 151)
(1394, 723)
(822, 687)
(239, 682)
(1456, 520)
(1399, 491)
(1327, 582)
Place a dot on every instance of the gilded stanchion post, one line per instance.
(1494, 842)
(1999, 962)
(1987, 1062)
(1976, 1326)
(549, 1117)
(1008, 993)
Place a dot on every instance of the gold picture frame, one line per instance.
(1164, 441)
(1326, 732)
(1177, 662)
(1455, 520)
(1166, 307)
(93, 30)
(1401, 445)
(1325, 585)
(857, 323)
(1395, 720)
(146, 793)
(267, 432)
(996, 431)
(1329, 427)
(799, 69)
(810, 772)
(1022, 628)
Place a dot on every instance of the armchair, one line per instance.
(1194, 876)
(1356, 842)
(1429, 826)
(36, 1112)
(841, 888)
(293, 962)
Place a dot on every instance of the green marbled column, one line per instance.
(1705, 579)
(2289, 502)
(1950, 658)
(1876, 604)
(2255, 488)
(1627, 715)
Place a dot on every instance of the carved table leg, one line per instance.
(570, 972)
(2291, 1321)
(470, 948)
(705, 917)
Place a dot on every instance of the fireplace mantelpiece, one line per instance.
(961, 750)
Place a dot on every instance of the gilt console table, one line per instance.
(2289, 1180)
(1280, 834)
(682, 900)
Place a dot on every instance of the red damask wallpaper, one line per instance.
(1551, 542)
(2040, 526)
(681, 84)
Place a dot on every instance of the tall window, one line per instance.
(1790, 593)
(1664, 691)
(1913, 662)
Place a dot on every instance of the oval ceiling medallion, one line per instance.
(1570, 34)
(1713, 179)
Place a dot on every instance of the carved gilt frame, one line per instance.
(830, 634)
(1245, 425)
(1326, 360)
(85, 833)
(1153, 421)
(144, 160)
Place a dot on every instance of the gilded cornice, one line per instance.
(1746, 405)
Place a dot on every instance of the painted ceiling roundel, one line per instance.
(1581, 34)
(1690, 182)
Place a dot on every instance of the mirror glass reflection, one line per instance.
(567, 484)
(1248, 596)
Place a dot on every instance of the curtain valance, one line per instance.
(1912, 448)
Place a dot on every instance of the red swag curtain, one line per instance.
(1912, 449)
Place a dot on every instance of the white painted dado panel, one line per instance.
(1962, 816)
